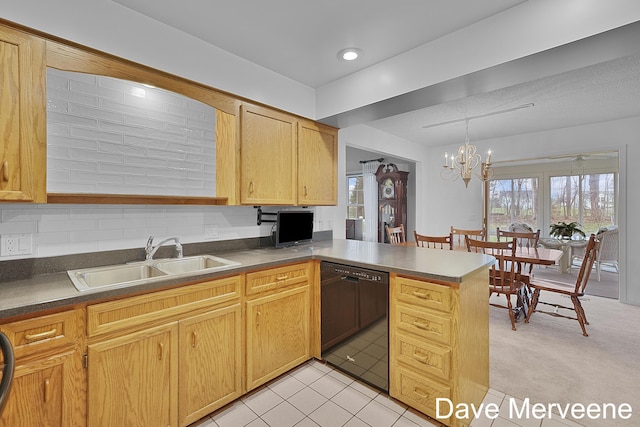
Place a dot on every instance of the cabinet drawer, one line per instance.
(424, 294)
(425, 358)
(44, 332)
(419, 392)
(427, 324)
(279, 277)
(131, 312)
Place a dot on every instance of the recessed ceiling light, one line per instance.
(349, 54)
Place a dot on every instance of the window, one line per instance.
(512, 200)
(586, 199)
(355, 197)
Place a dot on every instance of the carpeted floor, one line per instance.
(549, 360)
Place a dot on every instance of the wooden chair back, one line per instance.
(503, 279)
(437, 242)
(502, 276)
(459, 234)
(591, 254)
(523, 239)
(527, 240)
(396, 234)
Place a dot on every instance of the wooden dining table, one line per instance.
(538, 256)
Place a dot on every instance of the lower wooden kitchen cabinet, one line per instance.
(47, 387)
(210, 362)
(133, 379)
(166, 358)
(278, 311)
(439, 342)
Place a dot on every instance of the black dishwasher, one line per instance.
(354, 321)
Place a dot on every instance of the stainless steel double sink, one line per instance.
(121, 275)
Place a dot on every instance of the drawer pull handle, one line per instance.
(305, 191)
(160, 350)
(420, 392)
(258, 318)
(193, 339)
(41, 335)
(5, 171)
(250, 187)
(421, 295)
(420, 357)
(280, 278)
(46, 390)
(420, 325)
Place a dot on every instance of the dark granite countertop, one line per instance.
(54, 290)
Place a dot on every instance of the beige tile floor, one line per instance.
(315, 394)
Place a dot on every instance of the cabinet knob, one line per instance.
(46, 390)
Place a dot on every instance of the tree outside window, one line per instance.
(512, 200)
(586, 199)
(355, 197)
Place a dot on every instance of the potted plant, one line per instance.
(564, 231)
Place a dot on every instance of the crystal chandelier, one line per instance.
(462, 163)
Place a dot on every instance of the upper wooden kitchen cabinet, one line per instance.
(317, 164)
(285, 160)
(22, 117)
(267, 157)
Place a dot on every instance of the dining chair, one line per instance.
(437, 242)
(573, 291)
(503, 278)
(459, 233)
(527, 240)
(607, 252)
(396, 234)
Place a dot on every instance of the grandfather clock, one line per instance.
(392, 199)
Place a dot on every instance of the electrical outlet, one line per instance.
(211, 231)
(16, 244)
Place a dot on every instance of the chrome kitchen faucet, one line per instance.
(150, 250)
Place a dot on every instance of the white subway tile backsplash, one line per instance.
(110, 122)
(48, 225)
(69, 229)
(96, 235)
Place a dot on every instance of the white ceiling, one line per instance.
(301, 40)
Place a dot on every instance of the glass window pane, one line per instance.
(355, 197)
(512, 200)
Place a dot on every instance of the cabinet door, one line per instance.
(22, 118)
(317, 165)
(210, 362)
(267, 157)
(39, 394)
(133, 379)
(278, 334)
